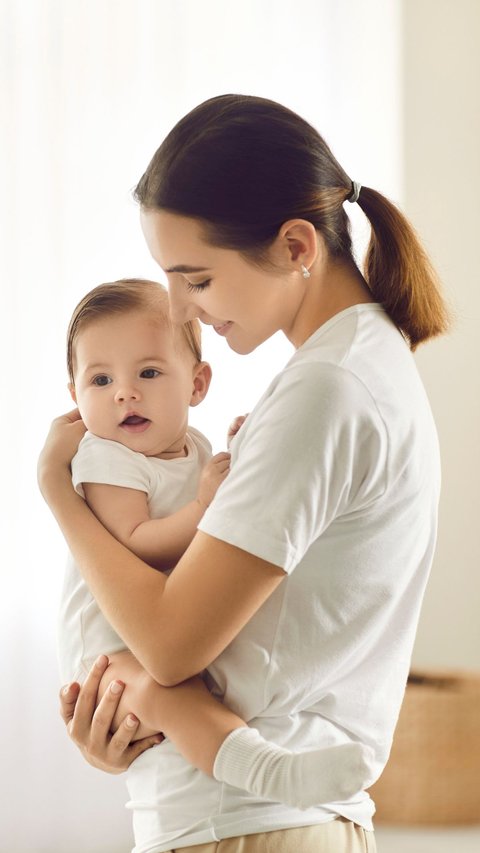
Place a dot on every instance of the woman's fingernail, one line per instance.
(131, 721)
(101, 660)
(66, 690)
(117, 686)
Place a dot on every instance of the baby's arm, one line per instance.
(159, 541)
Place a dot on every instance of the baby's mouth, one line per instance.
(135, 423)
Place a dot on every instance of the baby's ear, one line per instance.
(202, 375)
(71, 388)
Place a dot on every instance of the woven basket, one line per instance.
(433, 774)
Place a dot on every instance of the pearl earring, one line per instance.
(305, 272)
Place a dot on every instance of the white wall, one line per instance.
(442, 192)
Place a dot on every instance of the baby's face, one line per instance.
(134, 383)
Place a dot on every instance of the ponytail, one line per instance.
(399, 273)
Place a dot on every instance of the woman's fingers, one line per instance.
(86, 702)
(70, 417)
(102, 721)
(135, 749)
(68, 700)
(60, 447)
(123, 737)
(121, 750)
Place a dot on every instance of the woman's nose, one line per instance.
(182, 308)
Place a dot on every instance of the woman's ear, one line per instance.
(71, 388)
(297, 240)
(202, 376)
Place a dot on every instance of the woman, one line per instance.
(302, 589)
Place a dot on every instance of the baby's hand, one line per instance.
(235, 426)
(212, 475)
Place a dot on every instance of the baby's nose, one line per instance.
(127, 393)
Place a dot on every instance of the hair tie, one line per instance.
(353, 197)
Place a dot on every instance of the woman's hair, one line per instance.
(120, 297)
(245, 165)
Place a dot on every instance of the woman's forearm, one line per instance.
(174, 626)
(109, 568)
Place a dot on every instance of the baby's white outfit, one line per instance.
(83, 631)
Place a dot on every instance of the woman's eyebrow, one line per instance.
(186, 268)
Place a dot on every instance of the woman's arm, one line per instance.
(159, 541)
(174, 626)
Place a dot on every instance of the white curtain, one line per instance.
(88, 90)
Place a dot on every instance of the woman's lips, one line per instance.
(223, 328)
(135, 423)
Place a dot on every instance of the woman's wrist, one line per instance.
(54, 476)
(55, 481)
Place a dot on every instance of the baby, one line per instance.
(149, 478)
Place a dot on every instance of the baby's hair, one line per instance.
(120, 297)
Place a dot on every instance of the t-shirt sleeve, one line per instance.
(314, 449)
(101, 461)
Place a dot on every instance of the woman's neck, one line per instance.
(330, 289)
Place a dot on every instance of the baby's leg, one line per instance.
(214, 739)
(180, 712)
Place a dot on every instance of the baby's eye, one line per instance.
(101, 380)
(149, 373)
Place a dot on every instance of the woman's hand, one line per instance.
(59, 449)
(89, 726)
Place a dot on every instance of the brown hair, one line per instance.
(244, 165)
(119, 297)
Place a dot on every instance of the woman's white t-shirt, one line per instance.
(335, 477)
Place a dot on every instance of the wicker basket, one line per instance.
(433, 775)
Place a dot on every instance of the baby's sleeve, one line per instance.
(99, 460)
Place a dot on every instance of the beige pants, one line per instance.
(337, 836)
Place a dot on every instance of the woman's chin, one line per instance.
(242, 348)
(242, 345)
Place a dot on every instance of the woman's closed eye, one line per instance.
(198, 287)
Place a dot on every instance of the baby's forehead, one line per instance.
(154, 324)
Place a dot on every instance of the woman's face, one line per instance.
(243, 303)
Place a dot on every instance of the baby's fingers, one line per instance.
(221, 462)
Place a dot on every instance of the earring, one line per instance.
(305, 272)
